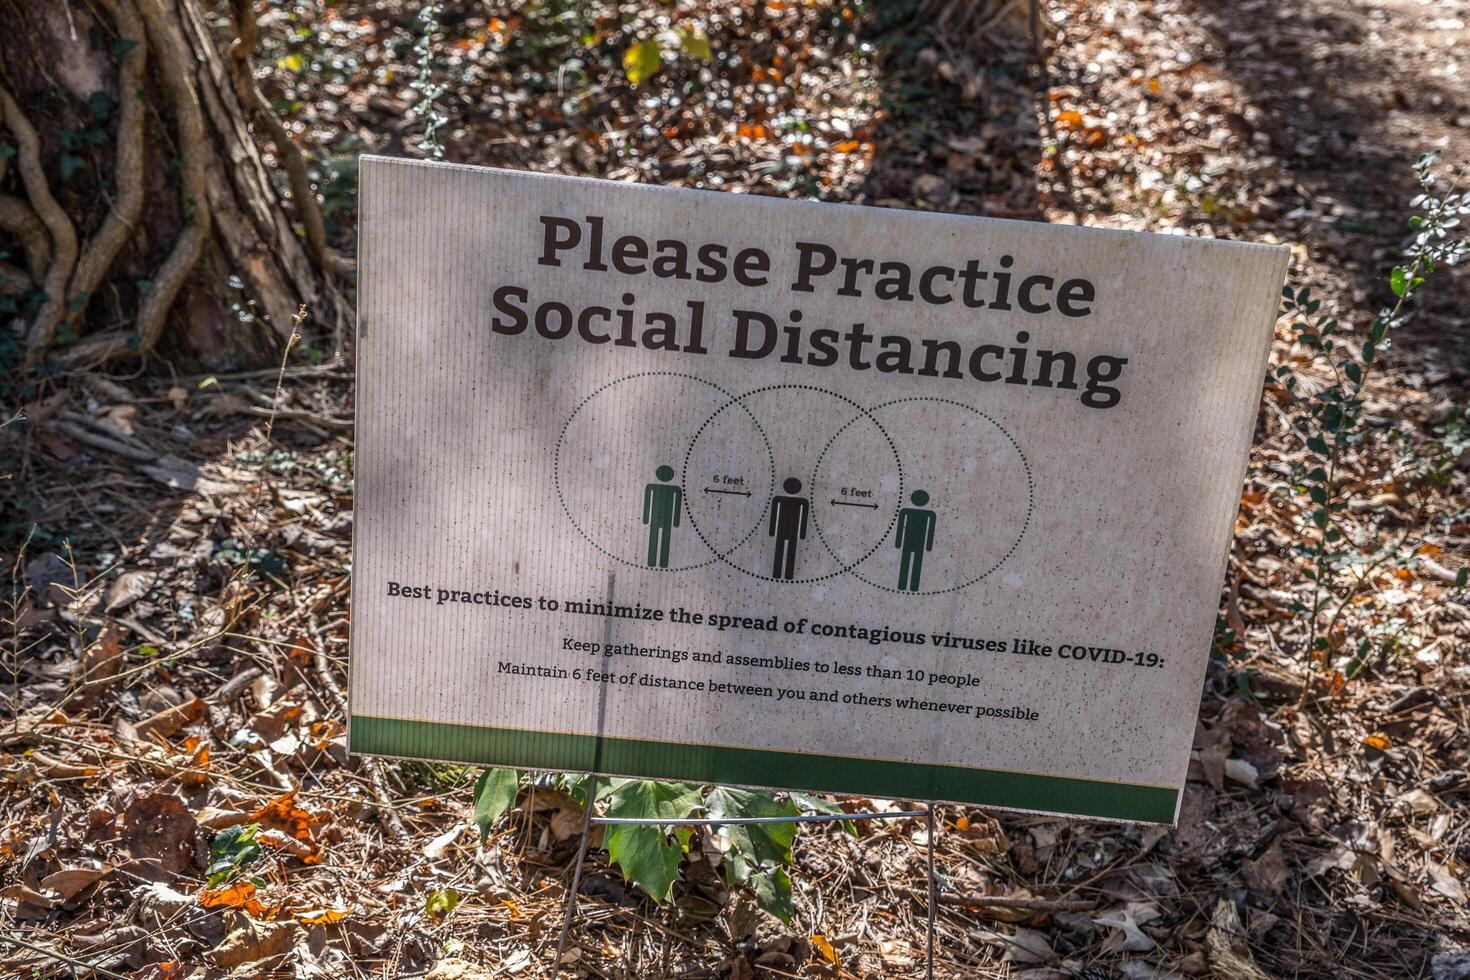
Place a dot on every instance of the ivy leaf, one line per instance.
(755, 848)
(695, 44)
(642, 61)
(1461, 577)
(773, 893)
(647, 857)
(70, 164)
(651, 798)
(495, 792)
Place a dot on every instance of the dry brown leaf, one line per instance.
(103, 661)
(170, 720)
(1267, 873)
(128, 588)
(253, 941)
(71, 882)
(54, 768)
(159, 828)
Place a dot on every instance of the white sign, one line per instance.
(732, 489)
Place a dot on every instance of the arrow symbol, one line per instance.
(733, 493)
(849, 503)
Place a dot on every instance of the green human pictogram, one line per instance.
(662, 505)
(915, 536)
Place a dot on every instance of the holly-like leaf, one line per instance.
(755, 848)
(642, 61)
(650, 798)
(495, 792)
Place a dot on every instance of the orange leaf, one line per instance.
(1070, 119)
(323, 917)
(288, 825)
(240, 895)
(825, 948)
(1378, 741)
(846, 146)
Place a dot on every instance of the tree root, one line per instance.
(17, 218)
(242, 13)
(122, 219)
(14, 281)
(58, 225)
(174, 70)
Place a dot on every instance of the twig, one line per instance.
(373, 766)
(69, 961)
(1029, 902)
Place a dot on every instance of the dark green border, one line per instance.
(759, 767)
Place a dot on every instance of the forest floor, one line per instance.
(177, 546)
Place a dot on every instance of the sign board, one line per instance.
(723, 488)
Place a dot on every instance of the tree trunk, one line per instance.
(136, 213)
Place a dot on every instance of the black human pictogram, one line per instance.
(788, 526)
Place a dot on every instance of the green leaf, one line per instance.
(1317, 445)
(773, 893)
(70, 164)
(647, 858)
(230, 851)
(755, 848)
(495, 792)
(292, 62)
(1398, 280)
(650, 798)
(1354, 373)
(695, 44)
(1461, 577)
(646, 855)
(438, 904)
(642, 61)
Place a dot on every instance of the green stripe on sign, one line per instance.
(759, 767)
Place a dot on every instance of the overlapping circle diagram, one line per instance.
(793, 483)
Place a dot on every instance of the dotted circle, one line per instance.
(1025, 523)
(561, 441)
(817, 578)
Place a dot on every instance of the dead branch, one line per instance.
(175, 69)
(242, 13)
(122, 219)
(58, 225)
